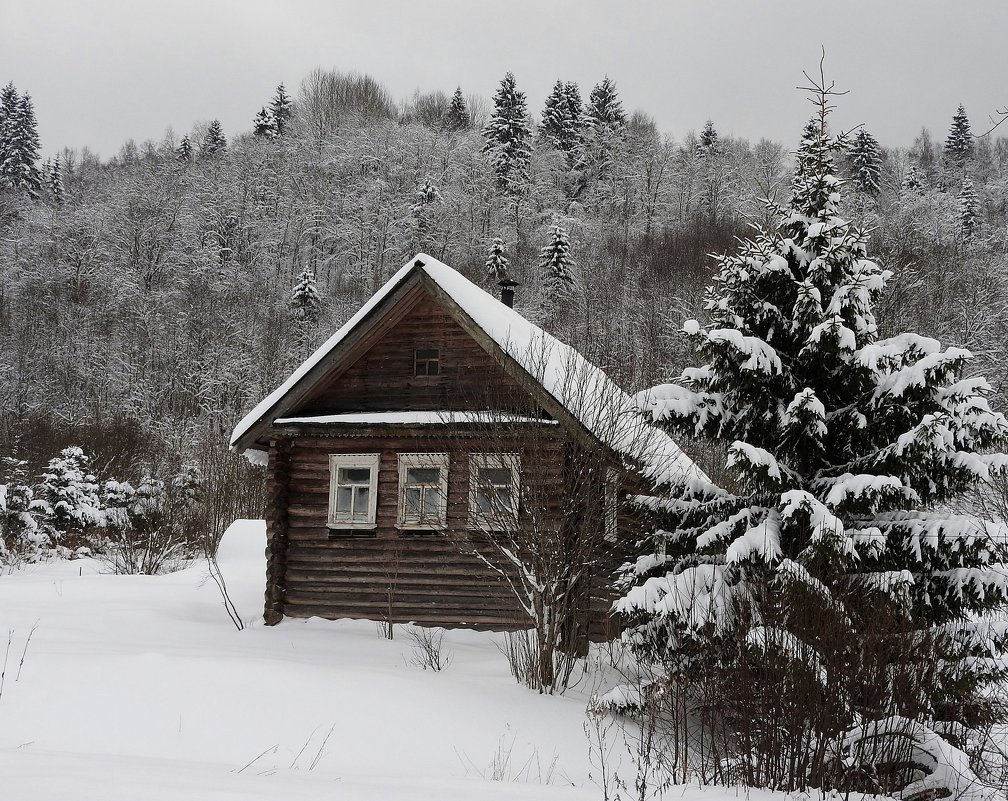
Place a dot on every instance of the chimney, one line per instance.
(507, 287)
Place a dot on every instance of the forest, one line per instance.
(148, 300)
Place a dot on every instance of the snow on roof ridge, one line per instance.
(579, 386)
(407, 416)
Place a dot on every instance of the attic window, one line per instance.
(426, 361)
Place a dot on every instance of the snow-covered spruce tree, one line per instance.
(457, 116)
(20, 169)
(604, 107)
(20, 537)
(708, 144)
(305, 301)
(969, 215)
(830, 584)
(959, 142)
(555, 262)
(865, 163)
(263, 124)
(214, 142)
(54, 178)
(184, 151)
(8, 117)
(553, 127)
(507, 135)
(66, 499)
(281, 109)
(497, 263)
(911, 181)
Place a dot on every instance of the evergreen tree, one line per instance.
(8, 118)
(834, 569)
(281, 110)
(553, 128)
(555, 262)
(264, 125)
(184, 151)
(708, 144)
(497, 263)
(959, 143)
(427, 194)
(969, 215)
(604, 107)
(20, 169)
(865, 161)
(507, 135)
(457, 116)
(305, 301)
(20, 538)
(54, 176)
(911, 183)
(67, 495)
(214, 142)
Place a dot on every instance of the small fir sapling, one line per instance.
(66, 498)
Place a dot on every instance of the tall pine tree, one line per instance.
(604, 107)
(507, 135)
(959, 142)
(281, 109)
(20, 170)
(457, 116)
(214, 142)
(865, 162)
(708, 144)
(831, 585)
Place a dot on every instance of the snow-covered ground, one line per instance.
(140, 687)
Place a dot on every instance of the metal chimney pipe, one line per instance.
(507, 292)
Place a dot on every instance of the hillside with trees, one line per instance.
(148, 300)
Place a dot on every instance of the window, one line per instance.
(493, 491)
(426, 361)
(353, 490)
(611, 510)
(423, 490)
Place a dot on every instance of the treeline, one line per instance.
(147, 302)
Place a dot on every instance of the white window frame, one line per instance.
(610, 504)
(438, 460)
(479, 521)
(354, 460)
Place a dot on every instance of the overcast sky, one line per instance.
(103, 72)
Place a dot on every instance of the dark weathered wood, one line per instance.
(276, 531)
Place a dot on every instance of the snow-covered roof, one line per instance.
(410, 418)
(581, 388)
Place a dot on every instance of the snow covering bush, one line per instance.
(152, 527)
(830, 585)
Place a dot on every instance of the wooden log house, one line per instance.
(435, 419)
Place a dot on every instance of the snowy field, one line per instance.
(139, 687)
